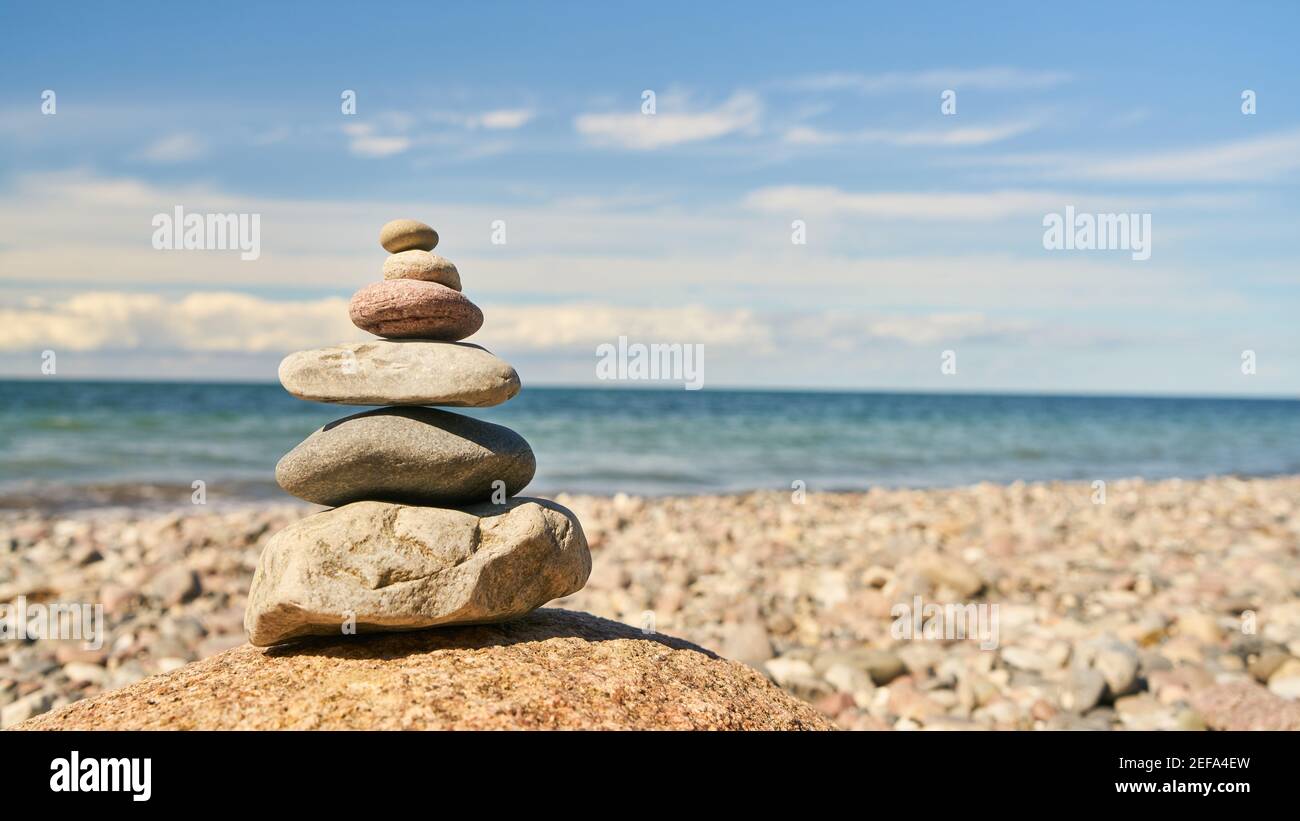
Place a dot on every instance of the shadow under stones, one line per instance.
(539, 625)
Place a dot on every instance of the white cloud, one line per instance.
(219, 321)
(1256, 159)
(596, 249)
(365, 142)
(966, 206)
(671, 126)
(174, 148)
(920, 330)
(989, 79)
(587, 324)
(952, 137)
(201, 321)
(396, 132)
(234, 323)
(977, 206)
(504, 119)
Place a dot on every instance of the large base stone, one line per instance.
(372, 566)
(552, 669)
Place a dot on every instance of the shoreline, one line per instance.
(160, 497)
(1109, 616)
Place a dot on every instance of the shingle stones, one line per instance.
(423, 530)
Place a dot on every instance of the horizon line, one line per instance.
(995, 392)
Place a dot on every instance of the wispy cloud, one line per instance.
(855, 330)
(202, 321)
(504, 119)
(965, 206)
(571, 244)
(174, 148)
(365, 142)
(587, 324)
(950, 137)
(396, 132)
(976, 206)
(989, 79)
(1255, 159)
(217, 321)
(225, 322)
(671, 125)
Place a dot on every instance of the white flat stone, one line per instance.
(400, 372)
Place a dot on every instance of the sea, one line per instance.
(136, 442)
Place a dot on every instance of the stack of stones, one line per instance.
(424, 527)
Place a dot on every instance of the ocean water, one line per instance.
(57, 434)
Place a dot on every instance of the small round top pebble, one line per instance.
(407, 235)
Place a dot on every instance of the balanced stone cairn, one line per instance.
(423, 529)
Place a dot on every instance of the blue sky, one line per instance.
(924, 230)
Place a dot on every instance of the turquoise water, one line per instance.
(56, 433)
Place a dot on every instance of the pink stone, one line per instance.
(413, 308)
(1245, 705)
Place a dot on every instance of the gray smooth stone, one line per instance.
(419, 456)
(400, 372)
(374, 567)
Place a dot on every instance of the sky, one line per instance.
(842, 196)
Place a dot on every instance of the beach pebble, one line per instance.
(1174, 686)
(848, 679)
(1083, 690)
(413, 308)
(25, 707)
(174, 585)
(422, 265)
(410, 455)
(79, 653)
(906, 701)
(1116, 661)
(833, 704)
(881, 666)
(1285, 681)
(1026, 659)
(1244, 705)
(82, 673)
(1264, 665)
(948, 572)
(789, 672)
(1200, 626)
(1143, 712)
(746, 642)
(1181, 650)
(406, 235)
(381, 567)
(407, 372)
(974, 690)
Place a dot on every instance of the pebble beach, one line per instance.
(1154, 605)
